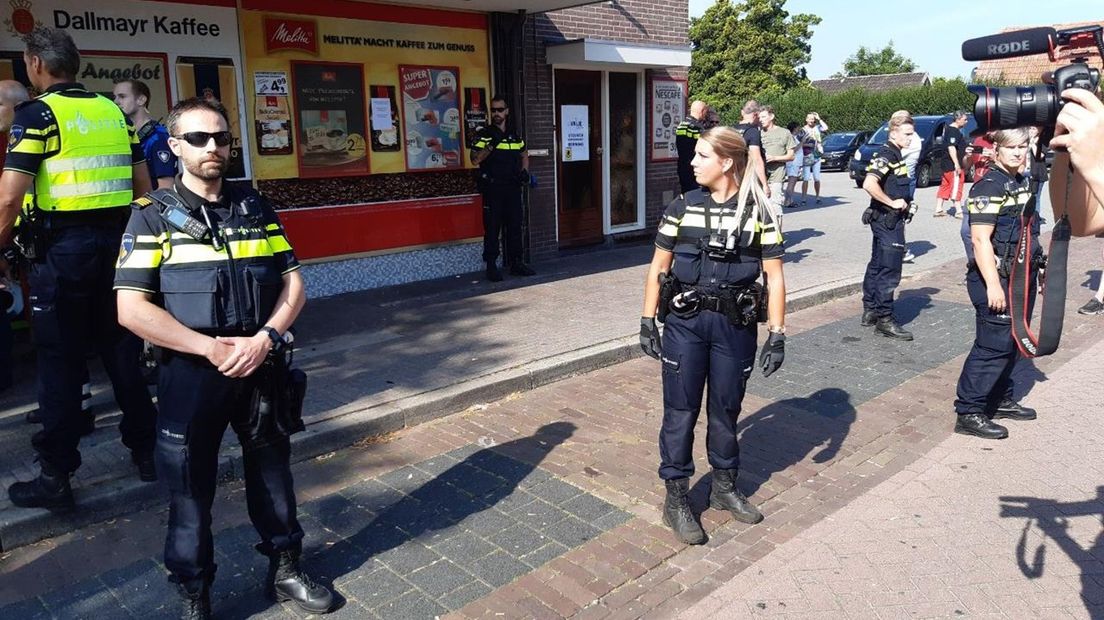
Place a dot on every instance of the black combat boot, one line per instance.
(888, 326)
(521, 269)
(725, 496)
(50, 490)
(147, 472)
(1014, 411)
(493, 274)
(195, 605)
(978, 425)
(868, 318)
(677, 514)
(287, 582)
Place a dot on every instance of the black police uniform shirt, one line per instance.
(888, 166)
(998, 199)
(212, 291)
(683, 226)
(154, 139)
(686, 140)
(34, 134)
(503, 165)
(951, 137)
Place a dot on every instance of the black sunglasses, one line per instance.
(498, 109)
(199, 139)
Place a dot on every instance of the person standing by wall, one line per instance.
(503, 168)
(686, 138)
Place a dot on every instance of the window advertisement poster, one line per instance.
(385, 119)
(270, 83)
(667, 110)
(330, 101)
(575, 138)
(273, 125)
(127, 39)
(453, 51)
(475, 114)
(431, 116)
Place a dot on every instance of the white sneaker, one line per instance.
(909, 257)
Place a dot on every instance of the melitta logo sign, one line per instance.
(291, 34)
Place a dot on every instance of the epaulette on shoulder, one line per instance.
(141, 203)
(695, 197)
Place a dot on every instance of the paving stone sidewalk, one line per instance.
(546, 504)
(379, 359)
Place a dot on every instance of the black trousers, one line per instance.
(197, 403)
(986, 377)
(707, 348)
(6, 344)
(73, 308)
(883, 272)
(502, 212)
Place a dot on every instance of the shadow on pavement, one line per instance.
(782, 434)
(920, 248)
(1052, 520)
(912, 302)
(811, 204)
(427, 506)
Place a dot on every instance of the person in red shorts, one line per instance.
(951, 163)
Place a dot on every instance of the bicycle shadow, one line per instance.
(1052, 520)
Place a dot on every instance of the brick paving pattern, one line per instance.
(873, 508)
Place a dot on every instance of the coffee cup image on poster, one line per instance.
(431, 116)
(330, 100)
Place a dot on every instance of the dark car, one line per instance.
(839, 147)
(930, 129)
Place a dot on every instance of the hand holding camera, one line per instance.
(1080, 131)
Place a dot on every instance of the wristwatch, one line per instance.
(777, 330)
(274, 336)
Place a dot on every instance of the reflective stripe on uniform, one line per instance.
(69, 190)
(76, 164)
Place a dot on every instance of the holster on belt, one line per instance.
(669, 286)
(30, 236)
(276, 409)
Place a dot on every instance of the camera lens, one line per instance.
(1014, 106)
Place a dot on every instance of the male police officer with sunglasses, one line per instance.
(78, 157)
(229, 290)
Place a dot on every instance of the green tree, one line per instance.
(743, 48)
(876, 62)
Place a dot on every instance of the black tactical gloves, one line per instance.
(649, 337)
(774, 351)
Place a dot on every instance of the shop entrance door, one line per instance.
(579, 160)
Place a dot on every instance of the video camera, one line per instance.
(1016, 106)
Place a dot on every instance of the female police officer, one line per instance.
(996, 207)
(710, 249)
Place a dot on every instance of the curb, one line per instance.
(114, 498)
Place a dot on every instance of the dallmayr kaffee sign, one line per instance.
(126, 25)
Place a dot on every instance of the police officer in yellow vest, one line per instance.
(76, 153)
(227, 289)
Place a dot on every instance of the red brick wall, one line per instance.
(654, 22)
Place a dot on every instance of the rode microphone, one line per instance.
(1011, 44)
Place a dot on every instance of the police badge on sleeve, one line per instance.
(164, 156)
(126, 248)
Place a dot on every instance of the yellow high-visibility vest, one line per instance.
(93, 168)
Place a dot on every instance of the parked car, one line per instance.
(930, 129)
(840, 147)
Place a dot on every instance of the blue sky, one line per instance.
(929, 33)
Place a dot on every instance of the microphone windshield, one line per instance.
(1010, 44)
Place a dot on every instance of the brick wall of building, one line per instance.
(653, 22)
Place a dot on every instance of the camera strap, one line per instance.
(1054, 294)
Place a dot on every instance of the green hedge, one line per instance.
(857, 109)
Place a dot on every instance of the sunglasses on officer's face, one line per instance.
(199, 139)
